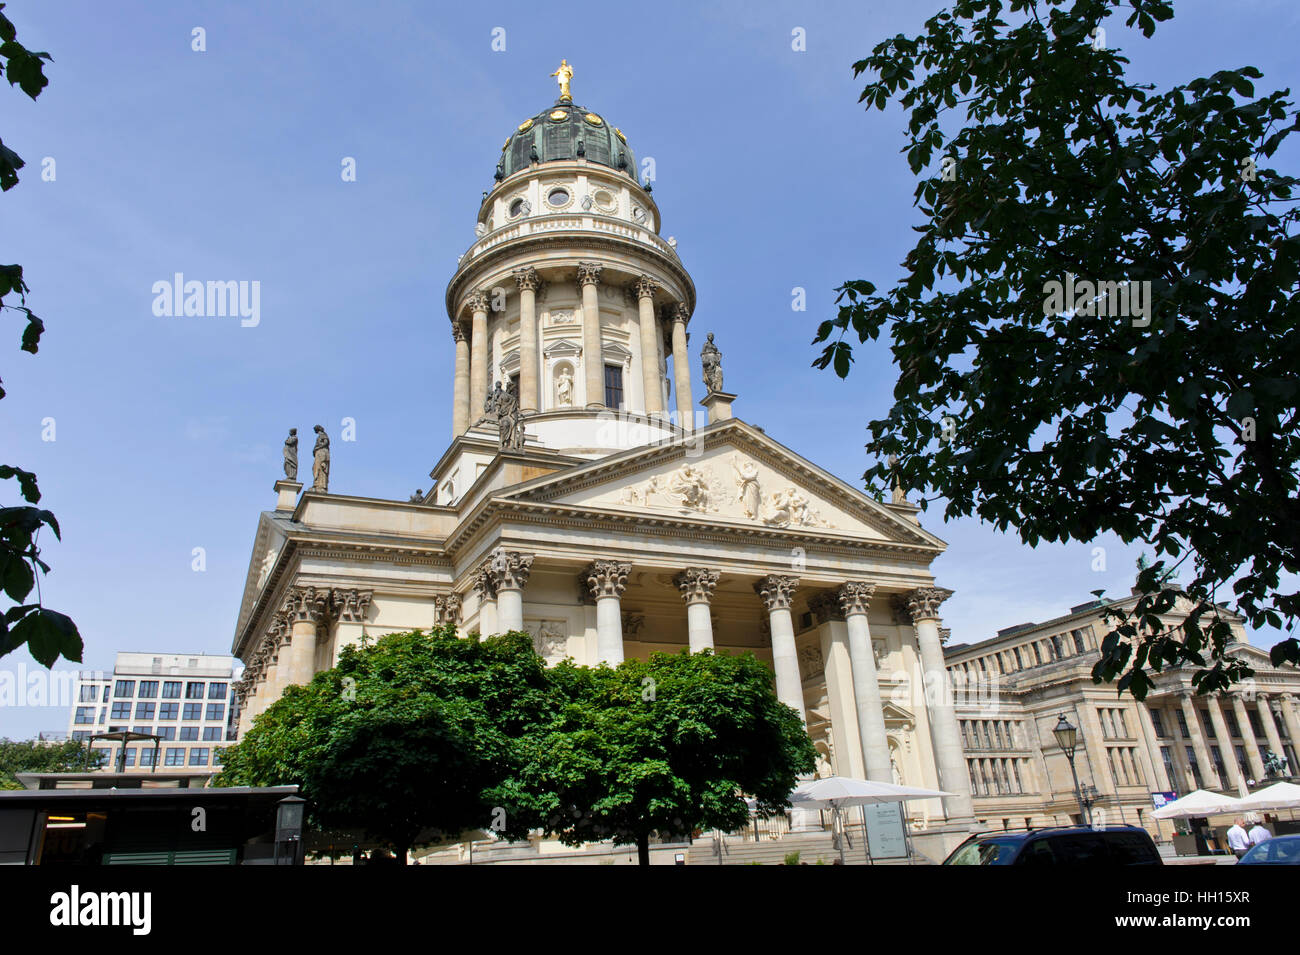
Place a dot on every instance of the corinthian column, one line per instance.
(855, 599)
(592, 357)
(1292, 722)
(1248, 737)
(682, 368)
(487, 602)
(696, 585)
(478, 345)
(606, 581)
(1204, 759)
(1226, 749)
(777, 594)
(1270, 725)
(652, 389)
(923, 605)
(508, 570)
(528, 281)
(460, 419)
(309, 610)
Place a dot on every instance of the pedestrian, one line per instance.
(1258, 833)
(1238, 841)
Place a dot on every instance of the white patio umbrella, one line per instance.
(1277, 796)
(1196, 804)
(841, 792)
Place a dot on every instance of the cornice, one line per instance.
(574, 243)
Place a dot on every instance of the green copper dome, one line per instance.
(566, 131)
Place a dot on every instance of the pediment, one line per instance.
(729, 474)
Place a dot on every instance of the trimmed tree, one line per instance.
(667, 745)
(403, 736)
(1096, 329)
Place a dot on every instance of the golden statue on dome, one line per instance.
(565, 74)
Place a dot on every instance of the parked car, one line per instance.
(1076, 846)
(1280, 850)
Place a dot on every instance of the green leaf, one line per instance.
(48, 635)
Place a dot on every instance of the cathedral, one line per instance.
(600, 495)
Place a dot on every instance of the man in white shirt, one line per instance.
(1238, 841)
(1257, 832)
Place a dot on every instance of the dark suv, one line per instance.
(1078, 846)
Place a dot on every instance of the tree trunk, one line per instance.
(401, 855)
(643, 848)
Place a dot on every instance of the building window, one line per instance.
(1182, 725)
(1078, 640)
(192, 711)
(130, 758)
(216, 755)
(146, 757)
(212, 733)
(1157, 723)
(1234, 729)
(175, 756)
(85, 714)
(166, 732)
(1241, 761)
(1020, 664)
(1218, 763)
(613, 386)
(167, 711)
(216, 711)
(1038, 657)
(122, 711)
(89, 694)
(216, 691)
(144, 711)
(1255, 724)
(81, 735)
(199, 756)
(124, 688)
(142, 729)
(171, 690)
(1171, 772)
(194, 691)
(189, 733)
(148, 689)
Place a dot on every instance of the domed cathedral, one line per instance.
(587, 498)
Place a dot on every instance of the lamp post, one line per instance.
(1067, 737)
(288, 830)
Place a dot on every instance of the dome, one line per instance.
(566, 131)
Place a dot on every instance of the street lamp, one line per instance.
(288, 830)
(1067, 737)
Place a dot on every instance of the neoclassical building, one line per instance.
(1012, 689)
(615, 507)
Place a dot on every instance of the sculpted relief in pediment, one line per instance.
(744, 493)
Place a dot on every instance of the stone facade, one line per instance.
(1012, 689)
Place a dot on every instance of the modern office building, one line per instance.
(184, 698)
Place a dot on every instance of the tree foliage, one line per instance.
(1040, 162)
(47, 633)
(402, 737)
(667, 746)
(36, 756)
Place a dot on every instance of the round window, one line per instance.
(516, 207)
(604, 199)
(558, 197)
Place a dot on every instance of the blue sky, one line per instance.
(225, 164)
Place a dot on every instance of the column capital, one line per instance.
(923, 602)
(527, 279)
(776, 591)
(826, 606)
(645, 287)
(1285, 698)
(484, 585)
(508, 569)
(302, 604)
(607, 578)
(477, 301)
(352, 604)
(855, 596)
(458, 334)
(447, 608)
(680, 313)
(697, 584)
(589, 273)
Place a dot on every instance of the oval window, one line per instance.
(516, 207)
(557, 197)
(604, 199)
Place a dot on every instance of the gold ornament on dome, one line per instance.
(559, 114)
(593, 119)
(525, 125)
(564, 75)
(620, 134)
